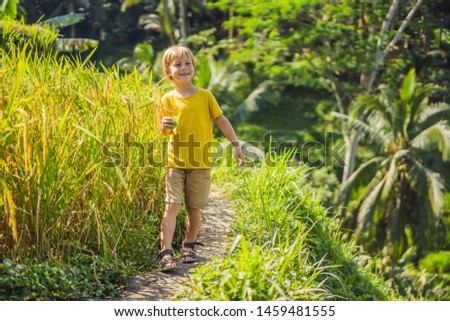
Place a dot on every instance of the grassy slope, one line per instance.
(285, 246)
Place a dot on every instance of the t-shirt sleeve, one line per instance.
(163, 105)
(214, 108)
(166, 106)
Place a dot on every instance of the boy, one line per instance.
(188, 112)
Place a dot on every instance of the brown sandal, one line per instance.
(164, 262)
(188, 254)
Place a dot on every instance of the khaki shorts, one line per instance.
(193, 183)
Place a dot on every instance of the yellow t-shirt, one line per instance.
(190, 142)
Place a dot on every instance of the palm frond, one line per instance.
(436, 136)
(355, 179)
(384, 129)
(144, 52)
(401, 117)
(166, 10)
(434, 161)
(419, 101)
(128, 3)
(391, 175)
(373, 134)
(432, 114)
(429, 183)
(387, 94)
(408, 85)
(259, 98)
(436, 192)
(65, 20)
(367, 104)
(223, 80)
(223, 77)
(368, 206)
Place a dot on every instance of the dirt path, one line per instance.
(157, 286)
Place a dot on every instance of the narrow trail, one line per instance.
(214, 230)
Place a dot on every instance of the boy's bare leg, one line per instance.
(168, 224)
(192, 224)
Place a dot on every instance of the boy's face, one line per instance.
(181, 70)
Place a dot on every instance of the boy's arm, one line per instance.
(225, 127)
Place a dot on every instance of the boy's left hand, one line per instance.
(240, 157)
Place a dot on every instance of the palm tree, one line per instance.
(401, 204)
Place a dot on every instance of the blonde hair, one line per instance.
(173, 53)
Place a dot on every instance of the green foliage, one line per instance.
(83, 278)
(203, 43)
(289, 116)
(260, 273)
(413, 284)
(142, 60)
(285, 246)
(261, 97)
(324, 185)
(65, 20)
(329, 46)
(436, 262)
(8, 9)
(314, 39)
(34, 37)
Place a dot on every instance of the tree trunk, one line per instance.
(380, 55)
(230, 30)
(350, 157)
(182, 20)
(368, 81)
(71, 9)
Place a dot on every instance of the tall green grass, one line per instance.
(77, 163)
(286, 247)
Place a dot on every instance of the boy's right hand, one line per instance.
(167, 123)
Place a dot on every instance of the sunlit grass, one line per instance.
(77, 159)
(286, 247)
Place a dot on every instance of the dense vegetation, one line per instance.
(79, 179)
(285, 246)
(80, 154)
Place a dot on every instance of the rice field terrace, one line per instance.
(80, 178)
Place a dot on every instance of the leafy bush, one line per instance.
(412, 283)
(84, 278)
(40, 38)
(436, 262)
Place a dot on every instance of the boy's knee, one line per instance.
(172, 208)
(191, 209)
